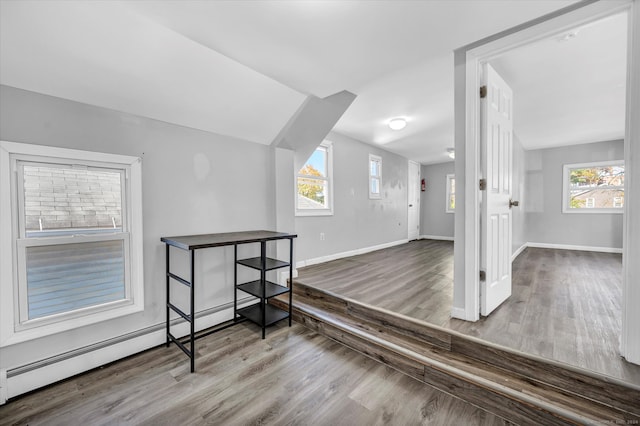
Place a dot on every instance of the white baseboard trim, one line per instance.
(3, 386)
(435, 237)
(23, 379)
(573, 247)
(458, 313)
(330, 257)
(517, 252)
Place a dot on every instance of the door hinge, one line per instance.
(483, 184)
(483, 92)
(483, 276)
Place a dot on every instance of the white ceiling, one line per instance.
(570, 88)
(242, 68)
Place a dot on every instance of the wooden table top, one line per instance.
(193, 242)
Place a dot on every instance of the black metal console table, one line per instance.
(261, 313)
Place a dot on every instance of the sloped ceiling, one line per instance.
(103, 54)
(570, 88)
(243, 68)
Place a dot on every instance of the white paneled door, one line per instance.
(495, 234)
(413, 186)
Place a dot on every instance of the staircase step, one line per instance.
(516, 386)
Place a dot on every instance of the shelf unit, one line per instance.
(260, 313)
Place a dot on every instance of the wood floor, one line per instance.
(294, 376)
(565, 305)
(414, 279)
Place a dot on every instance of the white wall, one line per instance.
(434, 220)
(357, 222)
(284, 182)
(545, 221)
(192, 182)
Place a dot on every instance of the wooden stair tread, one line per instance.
(429, 354)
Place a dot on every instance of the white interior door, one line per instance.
(413, 186)
(495, 233)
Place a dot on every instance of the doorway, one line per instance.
(468, 60)
(413, 188)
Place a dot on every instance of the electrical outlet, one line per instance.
(322, 236)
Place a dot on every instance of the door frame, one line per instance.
(467, 71)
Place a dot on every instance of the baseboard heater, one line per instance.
(13, 373)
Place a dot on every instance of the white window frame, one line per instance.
(448, 209)
(617, 202)
(375, 159)
(328, 211)
(15, 326)
(590, 203)
(566, 190)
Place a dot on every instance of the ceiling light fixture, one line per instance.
(397, 123)
(451, 152)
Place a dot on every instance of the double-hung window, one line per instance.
(76, 237)
(314, 183)
(593, 187)
(375, 176)
(451, 194)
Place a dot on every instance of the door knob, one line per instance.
(513, 203)
(410, 205)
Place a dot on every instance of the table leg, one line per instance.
(263, 282)
(235, 282)
(192, 313)
(290, 278)
(168, 295)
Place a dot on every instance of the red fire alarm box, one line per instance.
(423, 185)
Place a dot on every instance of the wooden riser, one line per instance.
(518, 387)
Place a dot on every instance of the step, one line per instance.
(595, 386)
(513, 385)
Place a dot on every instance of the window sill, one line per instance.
(593, 211)
(314, 213)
